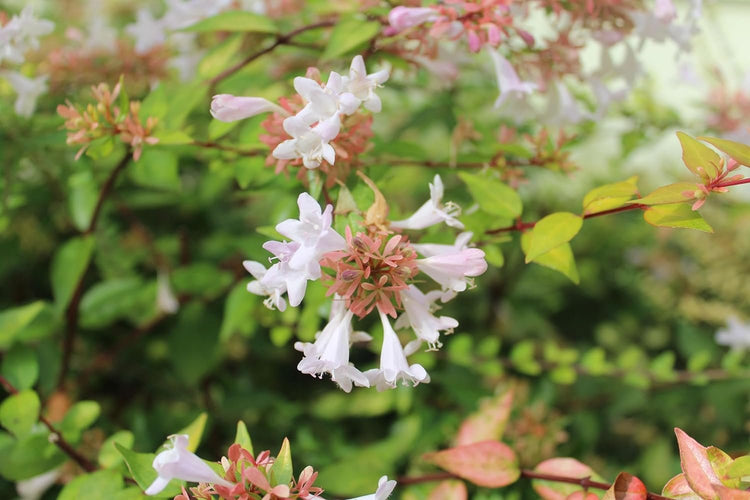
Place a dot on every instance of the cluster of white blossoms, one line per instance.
(18, 36)
(370, 269)
(319, 122)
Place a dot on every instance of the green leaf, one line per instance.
(100, 148)
(595, 362)
(739, 152)
(662, 366)
(678, 215)
(79, 417)
(68, 266)
(93, 486)
(281, 470)
(699, 158)
(238, 308)
(142, 470)
(610, 196)
(551, 232)
(201, 278)
(235, 20)
(13, 321)
(194, 430)
(348, 34)
(108, 301)
(20, 412)
(157, 168)
(523, 358)
(83, 194)
(172, 137)
(21, 367)
(108, 455)
(219, 57)
(29, 456)
(249, 169)
(493, 255)
(493, 196)
(242, 437)
(666, 195)
(740, 467)
(560, 259)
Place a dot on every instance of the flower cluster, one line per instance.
(107, 118)
(18, 35)
(318, 124)
(244, 476)
(373, 268)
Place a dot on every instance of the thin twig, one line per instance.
(71, 313)
(280, 40)
(55, 435)
(523, 226)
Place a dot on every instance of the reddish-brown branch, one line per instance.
(583, 482)
(523, 226)
(280, 40)
(55, 436)
(734, 183)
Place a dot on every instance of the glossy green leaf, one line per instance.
(551, 232)
(68, 266)
(560, 259)
(172, 137)
(235, 20)
(610, 196)
(13, 321)
(673, 193)
(108, 301)
(142, 470)
(699, 158)
(93, 486)
(738, 151)
(20, 412)
(349, 34)
(78, 418)
(108, 455)
(678, 216)
(157, 168)
(21, 367)
(83, 194)
(194, 430)
(242, 437)
(493, 196)
(238, 308)
(281, 471)
(29, 456)
(220, 57)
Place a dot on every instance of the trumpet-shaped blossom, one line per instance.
(330, 352)
(393, 363)
(452, 266)
(402, 18)
(273, 291)
(433, 211)
(418, 315)
(310, 144)
(324, 102)
(508, 82)
(385, 488)
(21, 34)
(179, 463)
(362, 86)
(28, 91)
(229, 108)
(312, 231)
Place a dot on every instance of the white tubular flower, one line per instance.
(28, 91)
(385, 488)
(183, 13)
(362, 86)
(330, 352)
(179, 463)
(282, 276)
(508, 82)
(324, 102)
(229, 108)
(146, 31)
(433, 211)
(310, 144)
(263, 288)
(403, 18)
(736, 335)
(393, 363)
(312, 231)
(452, 266)
(562, 107)
(34, 487)
(417, 314)
(21, 34)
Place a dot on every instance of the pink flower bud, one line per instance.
(402, 18)
(229, 108)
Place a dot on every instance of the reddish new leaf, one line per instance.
(568, 467)
(696, 466)
(489, 422)
(626, 487)
(491, 464)
(678, 487)
(452, 489)
(726, 493)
